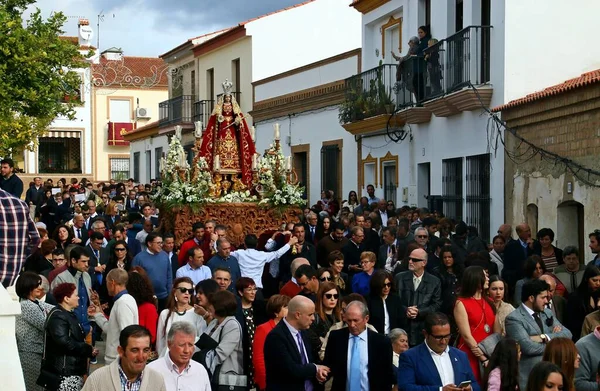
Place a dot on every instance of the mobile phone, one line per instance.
(465, 384)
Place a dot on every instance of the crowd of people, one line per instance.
(355, 295)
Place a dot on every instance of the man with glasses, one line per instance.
(422, 237)
(420, 294)
(434, 364)
(306, 277)
(352, 252)
(158, 267)
(59, 263)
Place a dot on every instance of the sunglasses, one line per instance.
(422, 236)
(120, 249)
(331, 296)
(325, 279)
(184, 290)
(416, 259)
(387, 285)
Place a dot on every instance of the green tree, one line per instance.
(37, 77)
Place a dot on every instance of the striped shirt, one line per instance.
(18, 236)
(127, 385)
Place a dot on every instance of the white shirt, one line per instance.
(252, 262)
(443, 365)
(384, 218)
(193, 378)
(363, 342)
(386, 319)
(294, 333)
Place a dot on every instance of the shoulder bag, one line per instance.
(48, 379)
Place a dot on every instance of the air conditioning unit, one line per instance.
(141, 112)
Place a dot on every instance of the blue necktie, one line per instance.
(354, 375)
(307, 383)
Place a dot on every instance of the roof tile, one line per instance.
(131, 72)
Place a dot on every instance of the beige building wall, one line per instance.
(221, 61)
(102, 152)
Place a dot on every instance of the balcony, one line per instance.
(450, 77)
(176, 111)
(202, 110)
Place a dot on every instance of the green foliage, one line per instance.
(36, 75)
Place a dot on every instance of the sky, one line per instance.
(153, 27)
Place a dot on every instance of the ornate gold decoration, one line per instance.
(390, 23)
(366, 161)
(388, 158)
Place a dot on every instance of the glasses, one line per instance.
(184, 290)
(120, 249)
(422, 236)
(387, 285)
(332, 296)
(440, 337)
(159, 243)
(416, 259)
(323, 279)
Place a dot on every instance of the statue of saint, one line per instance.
(227, 135)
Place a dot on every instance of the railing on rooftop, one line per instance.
(176, 110)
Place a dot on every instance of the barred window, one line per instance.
(119, 169)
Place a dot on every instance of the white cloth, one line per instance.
(417, 281)
(386, 318)
(444, 365)
(124, 313)
(363, 341)
(192, 378)
(161, 333)
(252, 262)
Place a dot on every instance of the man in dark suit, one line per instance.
(80, 233)
(352, 252)
(311, 227)
(98, 258)
(388, 251)
(370, 354)
(556, 303)
(515, 254)
(34, 194)
(532, 325)
(420, 295)
(132, 204)
(288, 360)
(417, 370)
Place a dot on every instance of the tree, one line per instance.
(37, 77)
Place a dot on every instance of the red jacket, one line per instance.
(258, 353)
(148, 317)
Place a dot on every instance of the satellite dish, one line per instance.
(86, 32)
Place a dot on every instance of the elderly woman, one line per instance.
(361, 281)
(399, 340)
(29, 326)
(65, 350)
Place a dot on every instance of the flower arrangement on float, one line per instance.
(183, 184)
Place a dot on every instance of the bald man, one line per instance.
(288, 358)
(515, 254)
(291, 288)
(420, 295)
(556, 303)
(505, 230)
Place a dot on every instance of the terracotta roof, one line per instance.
(73, 40)
(131, 72)
(571, 84)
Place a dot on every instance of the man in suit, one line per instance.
(169, 248)
(132, 203)
(382, 212)
(556, 304)
(515, 253)
(332, 242)
(433, 365)
(288, 359)
(352, 252)
(388, 251)
(311, 227)
(532, 325)
(34, 195)
(147, 215)
(360, 359)
(79, 231)
(98, 259)
(420, 295)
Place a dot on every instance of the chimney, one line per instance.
(85, 32)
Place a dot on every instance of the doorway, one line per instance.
(570, 227)
(423, 184)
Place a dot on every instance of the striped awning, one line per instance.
(63, 134)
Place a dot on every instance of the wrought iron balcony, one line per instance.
(202, 110)
(176, 110)
(458, 61)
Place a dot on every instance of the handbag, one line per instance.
(47, 379)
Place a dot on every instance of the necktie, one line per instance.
(312, 232)
(307, 383)
(538, 320)
(355, 370)
(416, 282)
(78, 233)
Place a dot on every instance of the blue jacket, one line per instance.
(417, 371)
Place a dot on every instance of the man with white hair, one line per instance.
(557, 303)
(359, 358)
(177, 368)
(422, 237)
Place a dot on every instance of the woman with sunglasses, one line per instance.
(361, 281)
(324, 274)
(327, 313)
(119, 259)
(179, 308)
(336, 264)
(385, 312)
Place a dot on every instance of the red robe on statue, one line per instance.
(228, 136)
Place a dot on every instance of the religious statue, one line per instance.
(228, 136)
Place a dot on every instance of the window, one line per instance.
(148, 166)
(458, 13)
(235, 75)
(119, 168)
(452, 188)
(210, 84)
(478, 194)
(158, 154)
(136, 166)
(331, 167)
(193, 86)
(119, 110)
(388, 172)
(59, 154)
(177, 82)
(391, 38)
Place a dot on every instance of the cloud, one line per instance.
(153, 27)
